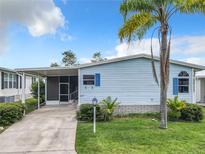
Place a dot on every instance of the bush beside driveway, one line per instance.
(12, 112)
(47, 130)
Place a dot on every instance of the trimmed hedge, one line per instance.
(10, 113)
(174, 115)
(86, 113)
(192, 112)
(31, 104)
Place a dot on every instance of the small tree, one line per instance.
(97, 57)
(69, 58)
(54, 65)
(34, 90)
(109, 106)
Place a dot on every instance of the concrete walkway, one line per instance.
(50, 130)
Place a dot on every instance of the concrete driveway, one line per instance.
(50, 130)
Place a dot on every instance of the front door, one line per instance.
(64, 92)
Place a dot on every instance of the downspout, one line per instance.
(79, 87)
(38, 92)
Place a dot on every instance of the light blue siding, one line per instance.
(130, 81)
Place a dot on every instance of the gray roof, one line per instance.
(146, 56)
(7, 70)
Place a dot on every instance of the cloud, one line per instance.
(195, 60)
(136, 47)
(187, 48)
(40, 17)
(83, 60)
(3, 38)
(64, 2)
(66, 37)
(193, 45)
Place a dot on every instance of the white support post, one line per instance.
(193, 86)
(18, 86)
(196, 90)
(38, 92)
(23, 88)
(79, 74)
(45, 90)
(94, 119)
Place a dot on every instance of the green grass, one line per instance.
(140, 135)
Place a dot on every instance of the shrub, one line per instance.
(31, 104)
(34, 90)
(85, 113)
(109, 106)
(176, 104)
(10, 113)
(192, 112)
(174, 115)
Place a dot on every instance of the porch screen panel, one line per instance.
(52, 88)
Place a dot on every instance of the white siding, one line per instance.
(17, 92)
(130, 81)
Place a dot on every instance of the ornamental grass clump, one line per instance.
(108, 107)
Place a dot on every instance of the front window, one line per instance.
(5, 80)
(10, 80)
(14, 81)
(88, 79)
(183, 85)
(183, 82)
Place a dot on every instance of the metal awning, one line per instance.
(50, 71)
(200, 74)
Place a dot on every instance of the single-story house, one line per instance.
(11, 85)
(129, 79)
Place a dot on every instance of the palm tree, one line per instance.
(140, 16)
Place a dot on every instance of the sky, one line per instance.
(34, 33)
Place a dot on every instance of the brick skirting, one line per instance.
(126, 109)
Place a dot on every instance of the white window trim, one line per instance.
(89, 80)
(5, 73)
(184, 85)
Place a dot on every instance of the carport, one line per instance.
(200, 87)
(61, 83)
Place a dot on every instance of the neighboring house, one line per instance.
(129, 79)
(11, 85)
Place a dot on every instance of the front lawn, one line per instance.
(140, 135)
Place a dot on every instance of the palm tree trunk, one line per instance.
(164, 76)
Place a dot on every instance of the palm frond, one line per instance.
(134, 26)
(143, 29)
(136, 6)
(190, 6)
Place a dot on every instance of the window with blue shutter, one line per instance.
(175, 86)
(97, 79)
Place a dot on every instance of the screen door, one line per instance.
(64, 92)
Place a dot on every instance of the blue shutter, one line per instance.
(97, 79)
(175, 86)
